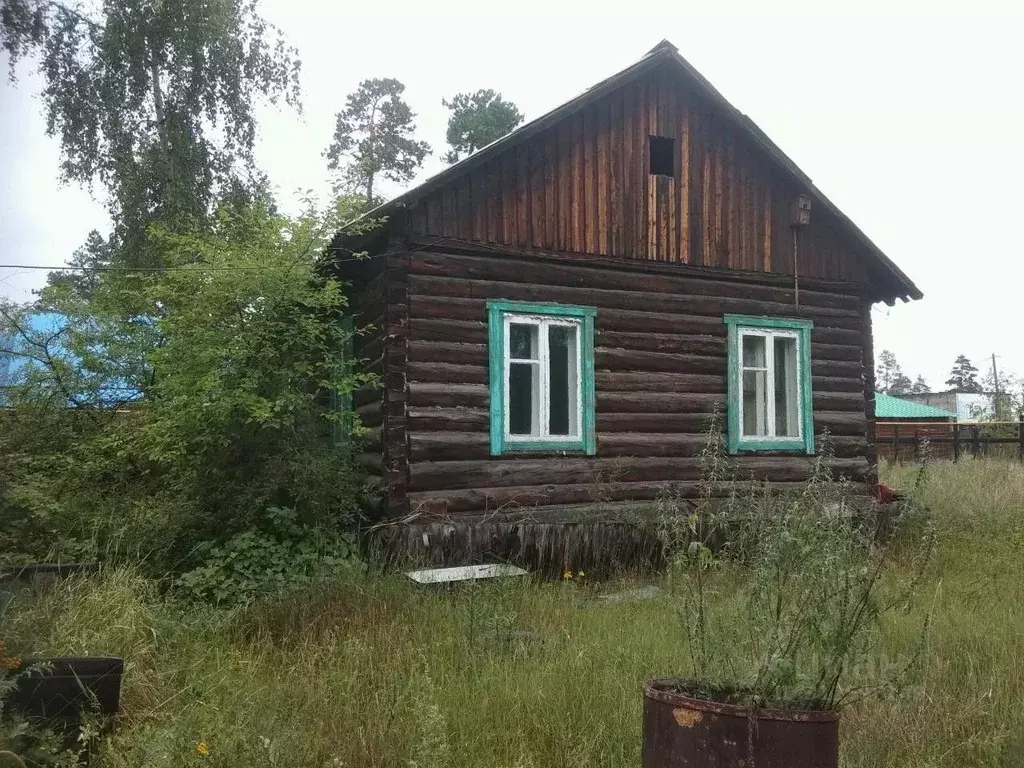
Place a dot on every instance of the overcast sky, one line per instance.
(908, 115)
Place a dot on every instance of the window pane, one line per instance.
(523, 399)
(786, 388)
(523, 341)
(753, 352)
(755, 401)
(563, 380)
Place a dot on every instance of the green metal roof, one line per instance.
(889, 407)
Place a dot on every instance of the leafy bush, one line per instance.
(166, 412)
(805, 577)
(282, 555)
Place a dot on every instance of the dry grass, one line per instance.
(530, 674)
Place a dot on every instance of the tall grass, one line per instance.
(511, 675)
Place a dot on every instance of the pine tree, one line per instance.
(963, 377)
(920, 386)
(373, 138)
(901, 385)
(888, 371)
(477, 119)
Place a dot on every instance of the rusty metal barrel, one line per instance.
(680, 731)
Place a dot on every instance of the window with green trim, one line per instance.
(541, 377)
(769, 387)
(341, 402)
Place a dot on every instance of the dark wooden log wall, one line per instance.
(583, 187)
(660, 366)
(367, 289)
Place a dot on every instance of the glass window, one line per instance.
(542, 386)
(769, 384)
(542, 377)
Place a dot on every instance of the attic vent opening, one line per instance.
(662, 155)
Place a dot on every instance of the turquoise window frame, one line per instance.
(496, 312)
(736, 441)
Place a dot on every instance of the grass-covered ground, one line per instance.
(380, 673)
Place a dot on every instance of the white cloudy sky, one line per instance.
(909, 115)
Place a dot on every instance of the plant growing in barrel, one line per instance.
(782, 597)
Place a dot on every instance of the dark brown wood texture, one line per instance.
(660, 365)
(583, 187)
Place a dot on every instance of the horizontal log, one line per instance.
(455, 419)
(849, 352)
(447, 352)
(453, 475)
(423, 394)
(634, 360)
(447, 372)
(576, 275)
(652, 402)
(838, 369)
(430, 243)
(639, 320)
(476, 419)
(678, 343)
(837, 401)
(605, 381)
(629, 381)
(623, 299)
(535, 498)
(457, 446)
(657, 423)
(841, 422)
(836, 383)
(425, 307)
(430, 394)
(452, 445)
(459, 331)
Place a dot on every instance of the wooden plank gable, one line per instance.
(583, 186)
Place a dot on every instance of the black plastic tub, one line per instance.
(66, 686)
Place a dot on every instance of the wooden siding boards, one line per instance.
(582, 187)
(660, 365)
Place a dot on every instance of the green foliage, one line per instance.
(331, 676)
(281, 555)
(963, 377)
(154, 100)
(373, 138)
(228, 356)
(920, 386)
(477, 119)
(810, 599)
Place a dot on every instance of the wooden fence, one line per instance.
(911, 441)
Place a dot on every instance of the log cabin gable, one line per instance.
(652, 164)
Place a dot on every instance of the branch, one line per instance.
(96, 27)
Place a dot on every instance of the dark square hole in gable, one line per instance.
(663, 155)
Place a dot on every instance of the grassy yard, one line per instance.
(379, 673)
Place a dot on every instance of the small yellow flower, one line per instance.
(203, 748)
(580, 575)
(567, 576)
